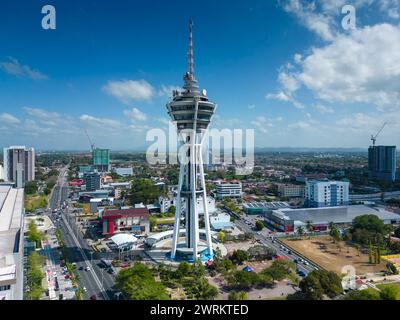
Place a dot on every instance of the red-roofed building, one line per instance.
(135, 220)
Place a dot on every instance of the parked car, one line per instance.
(301, 273)
(93, 297)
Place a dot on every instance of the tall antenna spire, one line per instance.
(190, 54)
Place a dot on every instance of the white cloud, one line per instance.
(103, 123)
(391, 8)
(135, 115)
(363, 66)
(41, 113)
(9, 118)
(300, 125)
(310, 18)
(324, 109)
(166, 91)
(14, 68)
(129, 90)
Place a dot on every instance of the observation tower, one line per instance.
(191, 111)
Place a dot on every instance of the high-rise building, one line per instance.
(92, 181)
(382, 163)
(325, 193)
(191, 111)
(101, 159)
(19, 165)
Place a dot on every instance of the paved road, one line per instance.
(97, 281)
(269, 243)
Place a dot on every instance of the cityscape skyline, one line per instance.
(82, 76)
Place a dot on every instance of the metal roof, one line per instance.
(338, 215)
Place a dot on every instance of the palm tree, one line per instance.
(300, 231)
(242, 295)
(309, 226)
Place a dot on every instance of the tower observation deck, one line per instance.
(192, 112)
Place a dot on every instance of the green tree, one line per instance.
(259, 225)
(334, 232)
(320, 283)
(33, 234)
(138, 283)
(144, 191)
(183, 270)
(300, 231)
(279, 270)
(205, 291)
(369, 228)
(243, 280)
(239, 256)
(31, 187)
(238, 295)
(153, 223)
(34, 276)
(221, 236)
(370, 253)
(366, 294)
(389, 293)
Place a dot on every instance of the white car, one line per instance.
(87, 268)
(84, 289)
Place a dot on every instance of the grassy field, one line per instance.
(334, 257)
(35, 202)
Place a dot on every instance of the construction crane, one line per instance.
(90, 141)
(373, 137)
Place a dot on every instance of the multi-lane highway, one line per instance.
(92, 274)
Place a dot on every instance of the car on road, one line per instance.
(84, 289)
(301, 273)
(289, 251)
(110, 271)
(93, 297)
(80, 268)
(87, 268)
(306, 263)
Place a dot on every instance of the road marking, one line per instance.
(96, 279)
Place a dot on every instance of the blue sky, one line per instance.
(286, 69)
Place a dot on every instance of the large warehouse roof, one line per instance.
(337, 215)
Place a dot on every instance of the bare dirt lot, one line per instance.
(334, 256)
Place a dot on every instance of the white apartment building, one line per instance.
(325, 193)
(229, 190)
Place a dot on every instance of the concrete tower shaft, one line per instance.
(192, 112)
